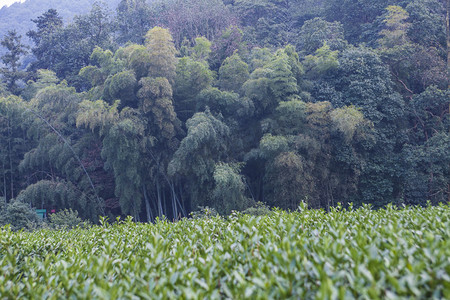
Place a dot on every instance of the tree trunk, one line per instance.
(147, 205)
(174, 202)
(10, 160)
(164, 203)
(158, 191)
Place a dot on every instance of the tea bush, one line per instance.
(307, 254)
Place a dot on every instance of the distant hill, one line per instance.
(18, 16)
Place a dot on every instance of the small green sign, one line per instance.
(41, 213)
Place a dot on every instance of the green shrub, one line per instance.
(20, 216)
(204, 212)
(259, 209)
(66, 219)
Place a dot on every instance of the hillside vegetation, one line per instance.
(18, 16)
(154, 109)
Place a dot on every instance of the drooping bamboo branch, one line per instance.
(99, 202)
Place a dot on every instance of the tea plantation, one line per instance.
(307, 254)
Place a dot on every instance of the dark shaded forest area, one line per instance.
(157, 108)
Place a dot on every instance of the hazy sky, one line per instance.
(8, 2)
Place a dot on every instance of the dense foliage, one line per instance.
(155, 108)
(19, 16)
(307, 254)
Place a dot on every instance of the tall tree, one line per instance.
(189, 19)
(426, 153)
(205, 145)
(357, 15)
(230, 41)
(229, 190)
(60, 152)
(47, 24)
(233, 73)
(134, 19)
(122, 148)
(191, 78)
(413, 65)
(14, 119)
(276, 81)
(315, 32)
(12, 73)
(364, 81)
(66, 50)
(162, 51)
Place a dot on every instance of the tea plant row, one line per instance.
(307, 254)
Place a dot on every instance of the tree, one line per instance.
(258, 58)
(427, 23)
(45, 78)
(191, 78)
(96, 27)
(228, 104)
(60, 152)
(155, 97)
(134, 19)
(275, 82)
(189, 19)
(65, 219)
(53, 194)
(396, 27)
(313, 150)
(357, 16)
(201, 50)
(283, 79)
(115, 76)
(233, 73)
(98, 116)
(12, 73)
(122, 148)
(425, 168)
(447, 27)
(205, 145)
(413, 65)
(138, 60)
(287, 181)
(315, 32)
(14, 120)
(265, 22)
(146, 114)
(291, 117)
(228, 193)
(230, 41)
(364, 81)
(122, 86)
(20, 216)
(427, 171)
(46, 24)
(66, 50)
(162, 53)
(323, 61)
